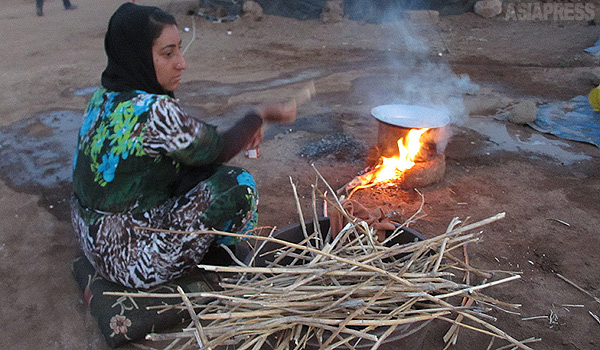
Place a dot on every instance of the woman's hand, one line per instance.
(256, 139)
(277, 112)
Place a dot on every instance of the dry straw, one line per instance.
(342, 290)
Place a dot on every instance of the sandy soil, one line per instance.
(48, 65)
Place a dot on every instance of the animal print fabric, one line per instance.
(122, 251)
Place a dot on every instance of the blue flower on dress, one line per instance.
(246, 179)
(89, 120)
(108, 166)
(91, 113)
(108, 104)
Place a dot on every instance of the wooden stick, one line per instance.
(594, 316)
(534, 318)
(485, 324)
(481, 286)
(452, 335)
(299, 209)
(525, 341)
(578, 287)
(458, 323)
(351, 317)
(334, 271)
(338, 285)
(440, 255)
(293, 245)
(327, 185)
(478, 224)
(168, 336)
(200, 336)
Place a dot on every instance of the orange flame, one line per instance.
(408, 148)
(390, 169)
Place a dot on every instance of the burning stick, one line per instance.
(360, 181)
(392, 168)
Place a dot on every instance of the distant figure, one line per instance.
(39, 4)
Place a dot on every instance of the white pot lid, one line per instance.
(412, 116)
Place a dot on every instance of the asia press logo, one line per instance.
(549, 11)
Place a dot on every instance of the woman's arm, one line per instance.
(171, 132)
(247, 132)
(239, 136)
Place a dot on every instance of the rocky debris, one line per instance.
(488, 8)
(332, 12)
(523, 112)
(252, 10)
(339, 147)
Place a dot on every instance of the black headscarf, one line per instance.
(128, 44)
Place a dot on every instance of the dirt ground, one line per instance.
(548, 187)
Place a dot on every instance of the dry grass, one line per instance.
(343, 290)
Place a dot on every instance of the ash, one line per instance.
(339, 147)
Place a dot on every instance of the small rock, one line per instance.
(523, 112)
(333, 11)
(488, 8)
(221, 12)
(252, 10)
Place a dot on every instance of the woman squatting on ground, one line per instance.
(141, 161)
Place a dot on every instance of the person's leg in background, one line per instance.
(68, 6)
(39, 4)
(38, 7)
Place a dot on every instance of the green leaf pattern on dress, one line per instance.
(117, 136)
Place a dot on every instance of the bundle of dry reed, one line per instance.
(344, 291)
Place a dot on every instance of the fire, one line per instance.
(408, 148)
(391, 169)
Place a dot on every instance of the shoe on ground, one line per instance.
(38, 11)
(72, 7)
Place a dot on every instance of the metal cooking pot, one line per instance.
(412, 116)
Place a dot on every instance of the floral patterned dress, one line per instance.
(132, 149)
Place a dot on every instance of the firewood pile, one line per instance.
(343, 290)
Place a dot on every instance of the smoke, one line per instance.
(431, 84)
(418, 71)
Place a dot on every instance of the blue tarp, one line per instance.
(573, 120)
(594, 50)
